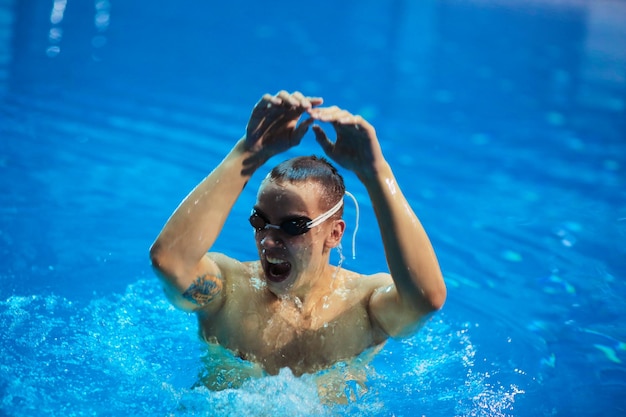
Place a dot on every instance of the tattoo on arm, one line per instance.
(203, 290)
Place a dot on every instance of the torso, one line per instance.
(277, 333)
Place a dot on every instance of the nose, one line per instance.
(271, 240)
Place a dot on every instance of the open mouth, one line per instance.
(276, 270)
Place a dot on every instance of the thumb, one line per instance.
(322, 139)
(302, 129)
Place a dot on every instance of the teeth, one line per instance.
(274, 260)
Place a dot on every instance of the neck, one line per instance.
(314, 285)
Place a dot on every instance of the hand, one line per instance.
(273, 125)
(356, 147)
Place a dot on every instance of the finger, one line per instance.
(302, 129)
(302, 101)
(325, 114)
(323, 140)
(337, 116)
(268, 101)
(315, 101)
(287, 98)
(362, 124)
(348, 119)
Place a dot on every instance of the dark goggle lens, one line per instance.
(293, 227)
(257, 221)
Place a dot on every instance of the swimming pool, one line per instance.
(504, 122)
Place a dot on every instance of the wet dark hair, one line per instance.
(312, 168)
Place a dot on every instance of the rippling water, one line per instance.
(505, 127)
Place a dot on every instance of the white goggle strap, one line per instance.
(323, 217)
(356, 226)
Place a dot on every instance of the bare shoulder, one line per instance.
(368, 284)
(234, 272)
(215, 277)
(227, 264)
(384, 305)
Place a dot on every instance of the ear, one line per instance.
(336, 232)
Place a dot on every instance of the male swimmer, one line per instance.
(291, 307)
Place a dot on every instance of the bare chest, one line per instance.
(284, 334)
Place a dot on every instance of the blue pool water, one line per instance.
(503, 120)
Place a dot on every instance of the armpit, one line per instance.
(203, 290)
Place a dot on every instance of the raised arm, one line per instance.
(418, 284)
(192, 278)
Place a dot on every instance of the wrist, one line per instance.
(378, 171)
(247, 158)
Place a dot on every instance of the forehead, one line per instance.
(302, 197)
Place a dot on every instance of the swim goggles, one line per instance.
(294, 226)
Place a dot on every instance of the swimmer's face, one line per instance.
(288, 259)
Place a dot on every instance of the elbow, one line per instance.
(435, 293)
(156, 254)
(428, 301)
(159, 258)
(427, 298)
(437, 297)
(162, 265)
(434, 298)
